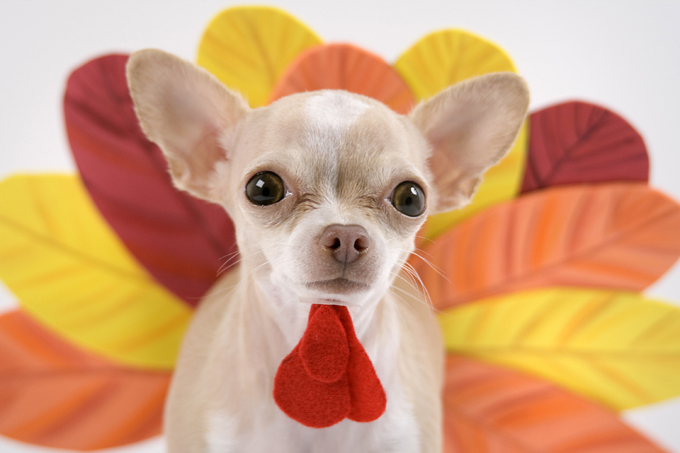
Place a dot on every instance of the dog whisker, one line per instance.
(412, 273)
(229, 264)
(417, 285)
(425, 239)
(227, 292)
(229, 255)
(434, 267)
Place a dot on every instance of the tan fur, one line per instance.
(340, 156)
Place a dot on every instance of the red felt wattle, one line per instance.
(324, 348)
(307, 400)
(328, 376)
(366, 392)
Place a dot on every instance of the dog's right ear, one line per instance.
(470, 127)
(187, 112)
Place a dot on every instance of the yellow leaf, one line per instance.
(71, 273)
(249, 47)
(445, 57)
(614, 347)
(441, 59)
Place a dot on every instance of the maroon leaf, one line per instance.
(178, 238)
(577, 142)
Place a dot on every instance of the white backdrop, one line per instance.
(621, 54)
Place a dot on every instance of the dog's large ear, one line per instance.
(470, 127)
(187, 112)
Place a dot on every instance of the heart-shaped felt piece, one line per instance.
(328, 376)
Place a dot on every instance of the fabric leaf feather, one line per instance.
(617, 348)
(57, 396)
(176, 237)
(73, 275)
(496, 410)
(577, 142)
(616, 236)
(249, 47)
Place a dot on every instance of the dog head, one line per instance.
(327, 189)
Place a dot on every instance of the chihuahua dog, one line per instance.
(327, 190)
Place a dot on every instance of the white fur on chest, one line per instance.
(273, 431)
(269, 429)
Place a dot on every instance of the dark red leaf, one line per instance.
(178, 238)
(576, 142)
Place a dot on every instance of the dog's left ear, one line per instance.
(470, 127)
(187, 112)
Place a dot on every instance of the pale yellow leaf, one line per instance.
(249, 47)
(72, 274)
(615, 347)
(449, 56)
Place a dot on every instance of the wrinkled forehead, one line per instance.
(335, 141)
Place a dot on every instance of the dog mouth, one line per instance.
(338, 286)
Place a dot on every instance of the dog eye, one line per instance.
(409, 199)
(265, 188)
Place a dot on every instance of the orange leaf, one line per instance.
(345, 67)
(613, 236)
(55, 395)
(496, 410)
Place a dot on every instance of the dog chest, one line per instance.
(396, 431)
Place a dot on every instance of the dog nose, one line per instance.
(346, 242)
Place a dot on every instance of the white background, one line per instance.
(624, 55)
